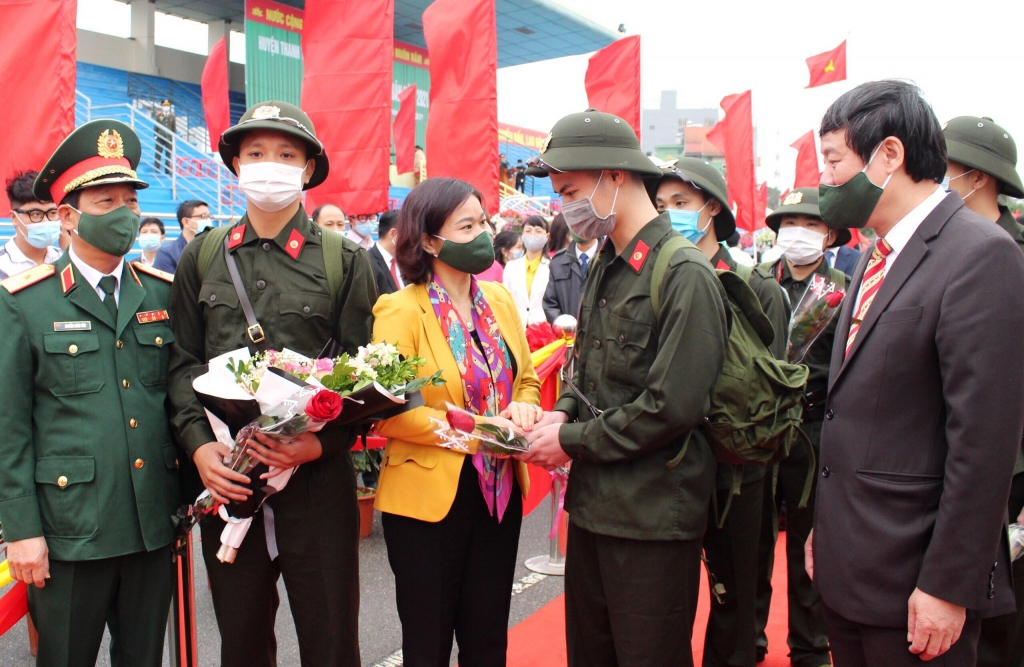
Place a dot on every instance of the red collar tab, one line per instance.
(294, 245)
(722, 266)
(639, 256)
(67, 278)
(236, 237)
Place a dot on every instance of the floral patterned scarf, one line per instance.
(486, 381)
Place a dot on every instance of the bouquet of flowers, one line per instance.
(817, 307)
(501, 439)
(284, 394)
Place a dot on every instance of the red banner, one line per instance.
(807, 173)
(404, 131)
(346, 90)
(38, 62)
(216, 103)
(275, 14)
(613, 80)
(520, 136)
(828, 67)
(462, 130)
(734, 136)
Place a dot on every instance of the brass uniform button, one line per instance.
(133, 423)
(62, 481)
(622, 338)
(159, 340)
(73, 349)
(125, 384)
(139, 463)
(119, 344)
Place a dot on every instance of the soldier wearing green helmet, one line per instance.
(695, 196)
(642, 473)
(982, 165)
(274, 281)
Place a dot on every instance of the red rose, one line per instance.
(833, 299)
(461, 421)
(324, 406)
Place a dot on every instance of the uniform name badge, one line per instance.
(72, 326)
(151, 316)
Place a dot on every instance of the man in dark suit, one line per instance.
(382, 255)
(844, 258)
(926, 396)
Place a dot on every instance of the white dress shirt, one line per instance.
(388, 258)
(366, 243)
(13, 261)
(92, 276)
(590, 253)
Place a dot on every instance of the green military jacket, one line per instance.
(652, 376)
(86, 457)
(774, 301)
(286, 282)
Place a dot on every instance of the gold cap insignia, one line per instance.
(109, 145)
(544, 146)
(793, 198)
(266, 111)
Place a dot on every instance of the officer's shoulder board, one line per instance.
(20, 281)
(150, 271)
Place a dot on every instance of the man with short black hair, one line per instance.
(925, 407)
(36, 228)
(193, 218)
(151, 235)
(382, 255)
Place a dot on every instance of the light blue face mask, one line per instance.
(149, 242)
(365, 229)
(43, 234)
(685, 222)
(203, 225)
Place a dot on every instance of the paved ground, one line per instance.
(380, 634)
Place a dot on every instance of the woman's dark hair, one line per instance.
(425, 211)
(535, 221)
(873, 111)
(559, 237)
(506, 240)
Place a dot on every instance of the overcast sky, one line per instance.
(967, 56)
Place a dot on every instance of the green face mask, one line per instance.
(850, 205)
(473, 257)
(577, 238)
(113, 233)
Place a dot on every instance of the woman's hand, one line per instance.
(523, 415)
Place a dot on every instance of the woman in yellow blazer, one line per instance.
(451, 520)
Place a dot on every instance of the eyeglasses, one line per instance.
(205, 216)
(35, 215)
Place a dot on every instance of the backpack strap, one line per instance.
(838, 277)
(665, 255)
(212, 242)
(334, 264)
(744, 271)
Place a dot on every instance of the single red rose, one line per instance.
(461, 421)
(833, 299)
(324, 406)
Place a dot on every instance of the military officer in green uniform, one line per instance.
(696, 197)
(298, 288)
(88, 469)
(982, 166)
(642, 473)
(805, 236)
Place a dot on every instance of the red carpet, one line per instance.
(539, 641)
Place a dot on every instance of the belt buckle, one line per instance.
(254, 331)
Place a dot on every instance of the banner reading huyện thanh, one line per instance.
(273, 52)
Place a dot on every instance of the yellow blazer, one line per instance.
(418, 477)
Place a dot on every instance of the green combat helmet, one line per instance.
(979, 143)
(804, 201)
(279, 117)
(591, 140)
(701, 175)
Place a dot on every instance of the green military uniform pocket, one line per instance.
(225, 327)
(629, 357)
(153, 353)
(304, 305)
(71, 365)
(67, 496)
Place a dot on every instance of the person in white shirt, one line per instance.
(151, 236)
(36, 228)
(363, 229)
(527, 277)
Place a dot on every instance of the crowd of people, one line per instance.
(898, 477)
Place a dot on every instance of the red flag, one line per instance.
(462, 130)
(807, 173)
(828, 67)
(38, 61)
(404, 131)
(734, 136)
(761, 208)
(613, 80)
(216, 103)
(348, 48)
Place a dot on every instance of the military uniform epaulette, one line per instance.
(24, 279)
(150, 271)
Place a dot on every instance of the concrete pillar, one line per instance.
(218, 29)
(143, 33)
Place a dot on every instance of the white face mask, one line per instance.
(270, 186)
(800, 245)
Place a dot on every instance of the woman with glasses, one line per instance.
(37, 229)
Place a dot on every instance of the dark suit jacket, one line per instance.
(565, 284)
(381, 272)
(922, 424)
(846, 259)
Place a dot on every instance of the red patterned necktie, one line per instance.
(394, 273)
(869, 286)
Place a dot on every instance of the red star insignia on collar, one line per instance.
(639, 256)
(236, 236)
(294, 245)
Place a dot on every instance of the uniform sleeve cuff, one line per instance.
(569, 405)
(20, 517)
(570, 436)
(197, 435)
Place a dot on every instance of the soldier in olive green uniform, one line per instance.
(983, 165)
(285, 265)
(695, 195)
(88, 469)
(807, 640)
(642, 473)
